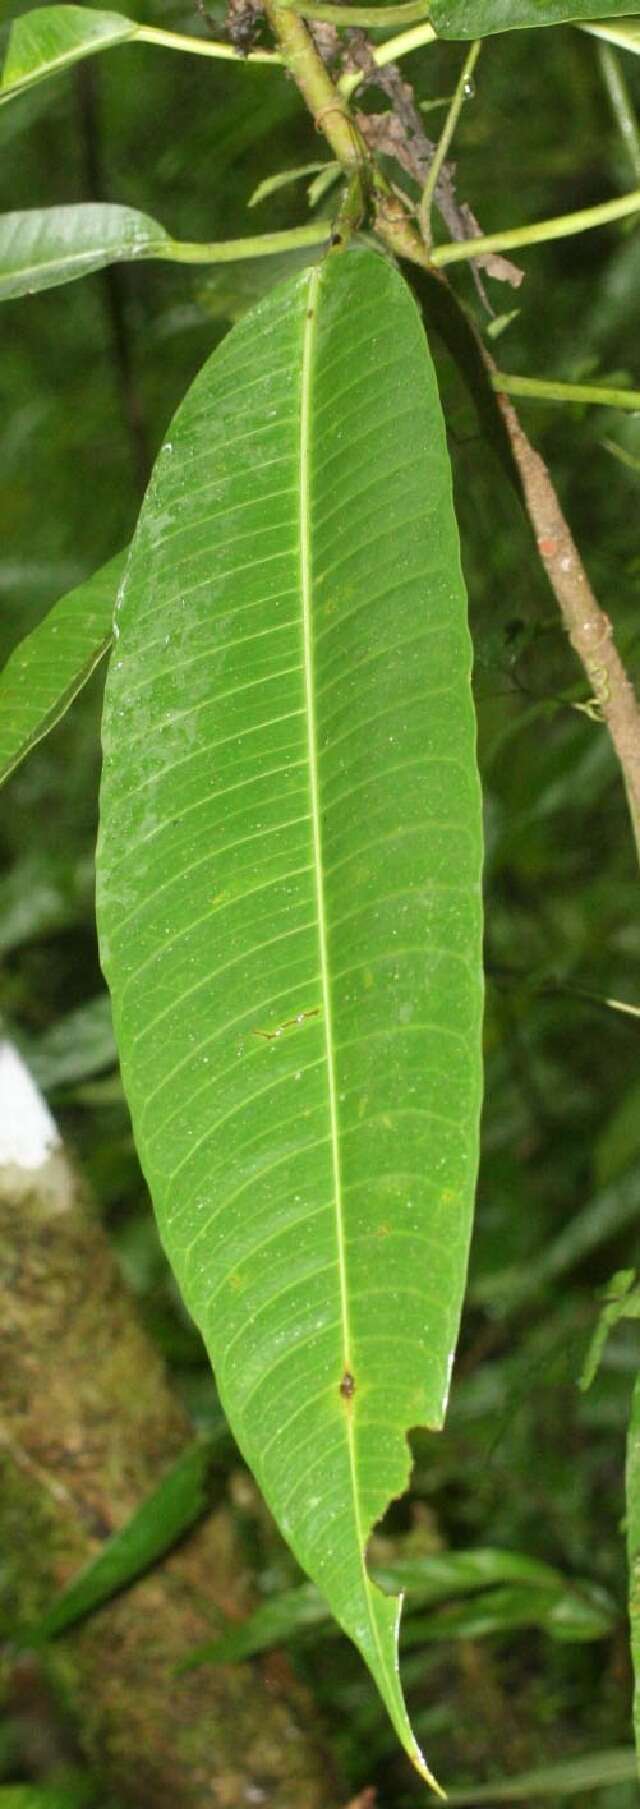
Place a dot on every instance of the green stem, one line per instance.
(445, 138)
(389, 52)
(547, 390)
(621, 104)
(406, 13)
(231, 251)
(202, 47)
(327, 107)
(559, 228)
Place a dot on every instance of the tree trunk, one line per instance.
(89, 1425)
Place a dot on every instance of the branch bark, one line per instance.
(88, 1426)
(586, 624)
(589, 629)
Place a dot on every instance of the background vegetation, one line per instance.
(91, 376)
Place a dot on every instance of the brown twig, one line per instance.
(588, 628)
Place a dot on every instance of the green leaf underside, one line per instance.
(52, 37)
(46, 246)
(481, 18)
(289, 902)
(48, 669)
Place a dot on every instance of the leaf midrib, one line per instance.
(306, 589)
(306, 586)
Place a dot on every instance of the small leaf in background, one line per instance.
(179, 1500)
(78, 1045)
(272, 184)
(48, 669)
(47, 246)
(289, 902)
(52, 37)
(38, 896)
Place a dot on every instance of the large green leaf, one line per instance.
(52, 37)
(480, 18)
(49, 668)
(289, 903)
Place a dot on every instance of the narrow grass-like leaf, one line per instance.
(48, 669)
(271, 185)
(72, 1792)
(532, 1594)
(480, 18)
(52, 37)
(174, 1506)
(289, 902)
(591, 1771)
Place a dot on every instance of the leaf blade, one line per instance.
(330, 559)
(50, 666)
(51, 38)
(45, 246)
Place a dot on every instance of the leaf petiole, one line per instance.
(561, 227)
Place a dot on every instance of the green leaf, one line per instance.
(535, 1595)
(179, 1500)
(52, 37)
(621, 1301)
(73, 1791)
(562, 1615)
(80, 1044)
(481, 18)
(48, 669)
(289, 902)
(270, 185)
(591, 1771)
(47, 246)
